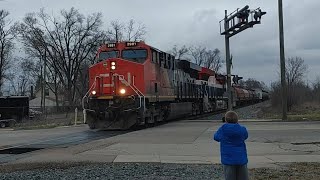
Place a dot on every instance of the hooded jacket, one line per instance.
(232, 146)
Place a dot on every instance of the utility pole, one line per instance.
(282, 63)
(236, 22)
(41, 82)
(44, 81)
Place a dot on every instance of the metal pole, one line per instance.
(84, 116)
(75, 116)
(282, 63)
(228, 63)
(45, 81)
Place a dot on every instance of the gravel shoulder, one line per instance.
(248, 112)
(144, 171)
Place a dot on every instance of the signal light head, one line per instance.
(258, 14)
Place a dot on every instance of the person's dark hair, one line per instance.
(231, 117)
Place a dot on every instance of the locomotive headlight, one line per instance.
(113, 63)
(122, 91)
(113, 67)
(94, 92)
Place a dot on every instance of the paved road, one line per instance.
(13, 143)
(186, 142)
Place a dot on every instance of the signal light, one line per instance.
(243, 14)
(258, 14)
(236, 79)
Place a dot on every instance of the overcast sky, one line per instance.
(196, 22)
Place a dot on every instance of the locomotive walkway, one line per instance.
(269, 143)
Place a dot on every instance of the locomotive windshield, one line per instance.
(108, 54)
(136, 55)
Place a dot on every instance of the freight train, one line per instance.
(134, 84)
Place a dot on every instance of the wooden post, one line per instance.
(282, 63)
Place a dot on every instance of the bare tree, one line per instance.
(252, 83)
(316, 89)
(295, 71)
(7, 34)
(205, 57)
(298, 91)
(68, 40)
(213, 60)
(115, 32)
(135, 32)
(21, 77)
(198, 54)
(179, 53)
(275, 94)
(130, 31)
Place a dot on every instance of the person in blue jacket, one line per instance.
(233, 151)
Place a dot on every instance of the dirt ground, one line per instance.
(294, 171)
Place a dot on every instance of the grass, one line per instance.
(51, 121)
(306, 116)
(43, 126)
(307, 112)
(294, 116)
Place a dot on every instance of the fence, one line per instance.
(52, 116)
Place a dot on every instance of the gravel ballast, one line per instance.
(248, 112)
(144, 171)
(116, 171)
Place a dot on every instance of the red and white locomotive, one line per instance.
(136, 84)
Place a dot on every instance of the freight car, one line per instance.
(135, 84)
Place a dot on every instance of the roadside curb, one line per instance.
(248, 120)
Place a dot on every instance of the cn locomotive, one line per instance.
(134, 84)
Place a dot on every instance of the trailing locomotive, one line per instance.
(136, 84)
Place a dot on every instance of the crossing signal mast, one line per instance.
(234, 23)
